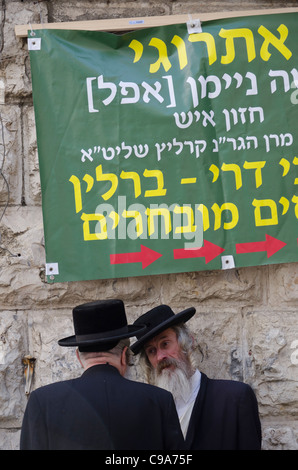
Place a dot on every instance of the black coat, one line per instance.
(225, 417)
(101, 410)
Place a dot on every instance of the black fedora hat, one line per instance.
(99, 326)
(157, 320)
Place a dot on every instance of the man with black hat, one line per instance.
(214, 414)
(101, 409)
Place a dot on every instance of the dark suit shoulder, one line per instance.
(55, 389)
(229, 388)
(151, 390)
(229, 384)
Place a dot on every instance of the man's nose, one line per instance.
(160, 355)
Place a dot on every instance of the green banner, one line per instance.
(168, 149)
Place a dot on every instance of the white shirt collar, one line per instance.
(184, 408)
(195, 382)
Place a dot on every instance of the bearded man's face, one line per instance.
(171, 368)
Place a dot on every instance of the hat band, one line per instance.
(108, 334)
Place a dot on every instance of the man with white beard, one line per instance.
(214, 414)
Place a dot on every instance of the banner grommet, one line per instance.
(52, 269)
(227, 262)
(34, 44)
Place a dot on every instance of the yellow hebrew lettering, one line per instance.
(285, 204)
(295, 161)
(163, 56)
(259, 221)
(190, 227)
(77, 192)
(100, 176)
(137, 47)
(136, 179)
(188, 180)
(210, 43)
(258, 167)
(151, 213)
(235, 168)
(205, 213)
(269, 38)
(295, 201)
(138, 219)
(90, 181)
(159, 191)
(215, 170)
(230, 35)
(286, 166)
(102, 235)
(228, 206)
(182, 56)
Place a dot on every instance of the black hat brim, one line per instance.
(181, 317)
(71, 341)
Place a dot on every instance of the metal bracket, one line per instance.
(29, 363)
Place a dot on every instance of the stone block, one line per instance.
(91, 10)
(15, 57)
(9, 439)
(13, 343)
(283, 283)
(53, 362)
(32, 187)
(280, 437)
(272, 343)
(218, 341)
(233, 5)
(235, 285)
(10, 156)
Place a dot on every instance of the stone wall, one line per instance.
(246, 323)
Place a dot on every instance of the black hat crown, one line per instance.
(99, 326)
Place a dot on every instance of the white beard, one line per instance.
(175, 381)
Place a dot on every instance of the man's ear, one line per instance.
(123, 356)
(78, 357)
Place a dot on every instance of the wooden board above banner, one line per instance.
(128, 24)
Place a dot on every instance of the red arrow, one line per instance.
(271, 245)
(209, 251)
(146, 256)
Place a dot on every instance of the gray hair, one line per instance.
(116, 350)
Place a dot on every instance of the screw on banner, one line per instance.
(194, 26)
